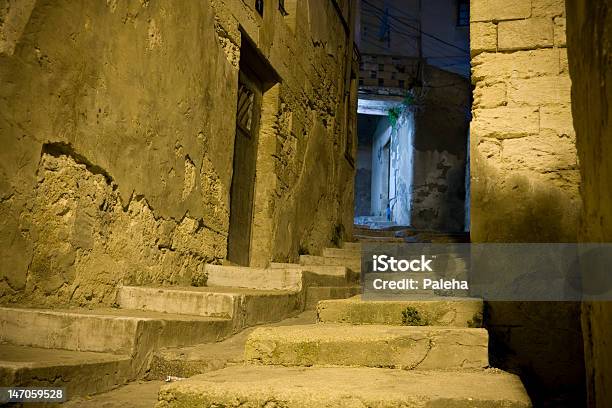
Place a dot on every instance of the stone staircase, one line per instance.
(427, 352)
(92, 351)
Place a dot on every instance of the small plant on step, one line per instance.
(199, 279)
(412, 317)
(476, 321)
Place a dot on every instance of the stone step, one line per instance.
(401, 347)
(322, 272)
(352, 263)
(247, 307)
(293, 387)
(352, 246)
(373, 233)
(315, 294)
(433, 311)
(378, 239)
(341, 253)
(81, 373)
(127, 332)
(293, 278)
(253, 278)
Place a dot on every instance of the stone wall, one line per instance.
(590, 47)
(525, 177)
(117, 129)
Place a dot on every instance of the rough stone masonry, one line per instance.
(117, 130)
(525, 175)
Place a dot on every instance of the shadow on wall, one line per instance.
(540, 341)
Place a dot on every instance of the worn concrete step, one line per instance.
(315, 294)
(81, 373)
(344, 387)
(352, 263)
(127, 332)
(431, 311)
(317, 273)
(246, 307)
(342, 253)
(402, 347)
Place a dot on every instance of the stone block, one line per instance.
(540, 90)
(543, 153)
(490, 96)
(506, 122)
(563, 62)
(547, 8)
(497, 10)
(520, 64)
(557, 118)
(525, 34)
(559, 32)
(405, 348)
(483, 37)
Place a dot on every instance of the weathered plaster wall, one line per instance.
(440, 150)
(380, 175)
(117, 126)
(589, 39)
(363, 180)
(525, 178)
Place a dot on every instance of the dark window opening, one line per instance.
(259, 6)
(463, 13)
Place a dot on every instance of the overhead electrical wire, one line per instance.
(433, 46)
(415, 28)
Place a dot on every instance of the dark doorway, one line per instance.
(245, 157)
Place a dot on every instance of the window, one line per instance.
(259, 5)
(463, 13)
